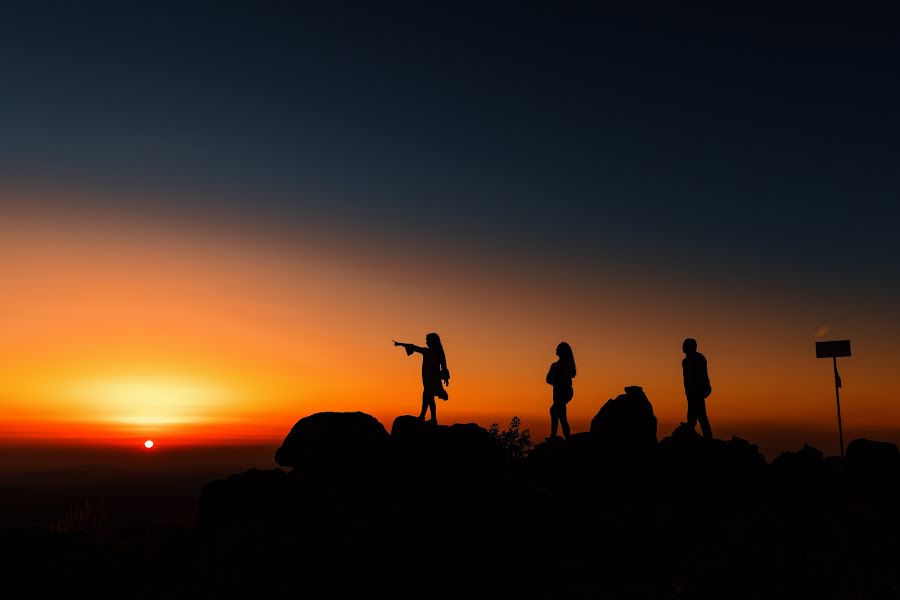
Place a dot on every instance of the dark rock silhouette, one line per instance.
(241, 498)
(626, 423)
(805, 462)
(686, 449)
(331, 441)
(683, 441)
(873, 457)
(458, 446)
(437, 511)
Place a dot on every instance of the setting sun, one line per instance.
(148, 444)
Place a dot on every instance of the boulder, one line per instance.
(461, 445)
(409, 432)
(684, 440)
(737, 454)
(870, 456)
(240, 499)
(626, 423)
(335, 442)
(804, 462)
(728, 457)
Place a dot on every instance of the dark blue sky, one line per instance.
(736, 141)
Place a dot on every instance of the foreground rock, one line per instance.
(458, 446)
(686, 449)
(335, 442)
(626, 424)
(806, 462)
(692, 519)
(872, 457)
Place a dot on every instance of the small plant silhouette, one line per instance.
(87, 515)
(515, 442)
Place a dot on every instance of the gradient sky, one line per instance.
(216, 216)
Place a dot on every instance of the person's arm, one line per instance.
(704, 377)
(551, 374)
(686, 375)
(410, 348)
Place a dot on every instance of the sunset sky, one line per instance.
(214, 219)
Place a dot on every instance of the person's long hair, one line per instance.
(565, 354)
(434, 342)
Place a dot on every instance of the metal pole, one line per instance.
(837, 394)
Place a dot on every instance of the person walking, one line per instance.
(696, 386)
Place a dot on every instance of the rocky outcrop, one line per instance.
(335, 442)
(240, 499)
(457, 446)
(870, 456)
(626, 424)
(806, 462)
(688, 449)
(443, 503)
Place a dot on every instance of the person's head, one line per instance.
(689, 346)
(432, 340)
(564, 351)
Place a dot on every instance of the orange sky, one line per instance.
(119, 328)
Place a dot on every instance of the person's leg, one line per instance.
(433, 408)
(704, 420)
(692, 412)
(554, 421)
(564, 420)
(424, 406)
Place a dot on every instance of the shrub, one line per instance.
(515, 442)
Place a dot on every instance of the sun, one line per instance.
(148, 444)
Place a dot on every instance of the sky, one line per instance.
(215, 217)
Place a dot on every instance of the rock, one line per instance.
(472, 444)
(332, 441)
(684, 440)
(408, 431)
(806, 461)
(626, 423)
(737, 454)
(241, 498)
(728, 457)
(871, 456)
(462, 445)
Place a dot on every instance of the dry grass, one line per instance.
(88, 514)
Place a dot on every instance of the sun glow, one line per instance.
(148, 444)
(157, 402)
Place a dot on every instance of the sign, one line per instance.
(833, 349)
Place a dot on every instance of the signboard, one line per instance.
(833, 349)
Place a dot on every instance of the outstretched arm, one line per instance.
(410, 348)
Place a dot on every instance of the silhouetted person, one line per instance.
(560, 377)
(434, 372)
(696, 386)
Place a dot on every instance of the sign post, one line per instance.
(832, 350)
